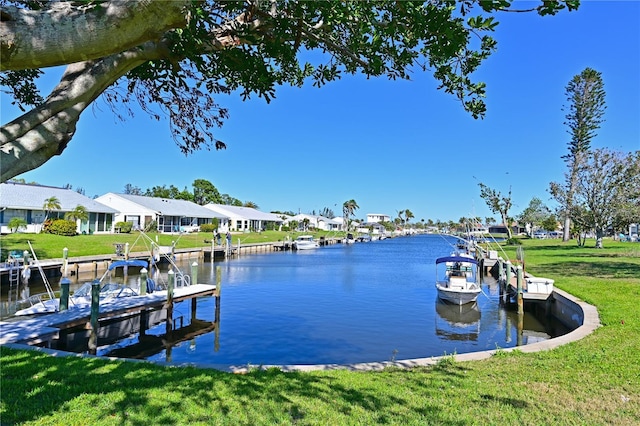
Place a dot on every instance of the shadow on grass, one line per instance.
(515, 403)
(600, 269)
(49, 387)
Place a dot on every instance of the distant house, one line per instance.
(373, 228)
(377, 218)
(164, 214)
(245, 218)
(308, 221)
(26, 202)
(502, 229)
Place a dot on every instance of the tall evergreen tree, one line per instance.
(586, 97)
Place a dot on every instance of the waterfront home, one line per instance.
(245, 219)
(162, 214)
(372, 228)
(377, 218)
(308, 221)
(27, 201)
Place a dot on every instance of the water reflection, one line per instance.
(340, 304)
(457, 322)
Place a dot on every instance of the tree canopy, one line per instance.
(174, 58)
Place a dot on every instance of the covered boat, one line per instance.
(109, 291)
(458, 286)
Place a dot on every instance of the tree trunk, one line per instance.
(566, 232)
(32, 139)
(599, 237)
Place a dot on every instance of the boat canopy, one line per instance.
(456, 259)
(130, 262)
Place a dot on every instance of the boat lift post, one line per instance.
(194, 280)
(171, 278)
(507, 280)
(95, 310)
(520, 279)
(64, 293)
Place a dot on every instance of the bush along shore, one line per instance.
(592, 381)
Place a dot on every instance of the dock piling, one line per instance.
(194, 273)
(171, 279)
(95, 310)
(64, 293)
(143, 280)
(520, 279)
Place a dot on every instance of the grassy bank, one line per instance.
(592, 381)
(49, 246)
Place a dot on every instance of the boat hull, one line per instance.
(457, 296)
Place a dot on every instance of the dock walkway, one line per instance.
(44, 328)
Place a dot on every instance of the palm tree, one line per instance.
(79, 213)
(408, 214)
(50, 204)
(16, 223)
(400, 213)
(348, 208)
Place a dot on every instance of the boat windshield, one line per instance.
(83, 291)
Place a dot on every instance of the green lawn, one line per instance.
(49, 246)
(590, 382)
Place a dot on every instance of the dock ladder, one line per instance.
(14, 280)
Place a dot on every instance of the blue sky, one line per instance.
(389, 145)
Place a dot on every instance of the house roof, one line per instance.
(32, 197)
(167, 206)
(243, 212)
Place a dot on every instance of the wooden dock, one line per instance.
(42, 329)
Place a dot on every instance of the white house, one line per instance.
(245, 218)
(377, 218)
(26, 202)
(373, 228)
(316, 222)
(169, 215)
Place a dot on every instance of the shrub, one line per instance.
(512, 242)
(207, 227)
(16, 223)
(125, 227)
(59, 227)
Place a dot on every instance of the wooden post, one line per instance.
(143, 281)
(95, 310)
(64, 293)
(217, 313)
(194, 273)
(126, 251)
(65, 262)
(520, 279)
(507, 273)
(218, 280)
(171, 278)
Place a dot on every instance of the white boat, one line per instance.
(349, 239)
(81, 298)
(459, 284)
(305, 242)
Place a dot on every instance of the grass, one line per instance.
(590, 382)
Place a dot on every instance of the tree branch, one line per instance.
(32, 139)
(67, 33)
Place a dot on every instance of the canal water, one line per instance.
(338, 304)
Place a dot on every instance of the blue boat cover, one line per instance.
(131, 262)
(456, 259)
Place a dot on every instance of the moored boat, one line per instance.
(459, 284)
(305, 242)
(80, 298)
